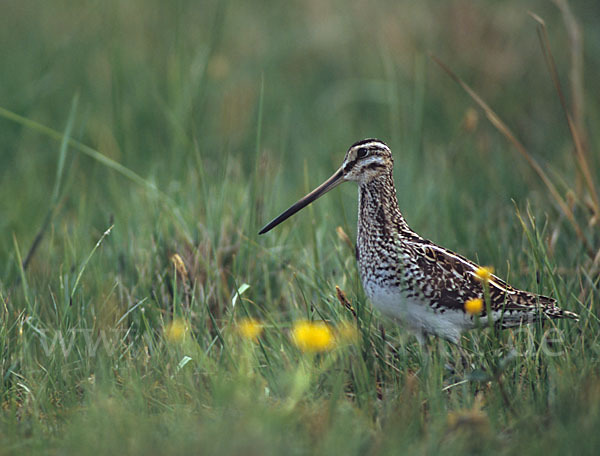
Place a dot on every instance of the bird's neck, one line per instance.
(378, 211)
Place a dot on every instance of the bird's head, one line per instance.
(364, 161)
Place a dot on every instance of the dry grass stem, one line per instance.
(575, 132)
(508, 134)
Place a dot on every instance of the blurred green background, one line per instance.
(159, 81)
(222, 114)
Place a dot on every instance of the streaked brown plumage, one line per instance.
(411, 279)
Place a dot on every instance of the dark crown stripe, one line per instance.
(366, 141)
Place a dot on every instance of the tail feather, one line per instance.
(557, 312)
(529, 308)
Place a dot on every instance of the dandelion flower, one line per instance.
(176, 330)
(312, 336)
(484, 273)
(249, 328)
(473, 306)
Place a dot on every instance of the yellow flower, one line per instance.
(249, 328)
(312, 336)
(484, 273)
(474, 306)
(176, 330)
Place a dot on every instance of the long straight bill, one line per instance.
(330, 183)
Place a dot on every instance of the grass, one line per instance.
(144, 145)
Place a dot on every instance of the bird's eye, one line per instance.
(362, 152)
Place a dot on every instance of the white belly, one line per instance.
(418, 315)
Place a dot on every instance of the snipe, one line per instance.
(408, 278)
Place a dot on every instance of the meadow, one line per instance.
(145, 143)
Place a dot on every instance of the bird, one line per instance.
(415, 282)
